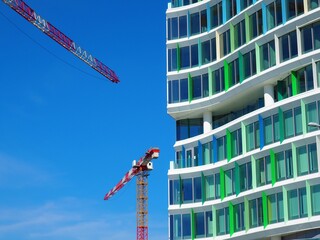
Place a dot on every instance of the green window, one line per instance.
(288, 124)
(281, 166)
(255, 213)
(207, 153)
(222, 221)
(297, 121)
(293, 204)
(222, 148)
(245, 176)
(239, 217)
(312, 115)
(263, 171)
(302, 160)
(272, 207)
(307, 159)
(209, 224)
(297, 203)
(236, 144)
(217, 185)
(250, 137)
(230, 182)
(315, 199)
(276, 128)
(209, 187)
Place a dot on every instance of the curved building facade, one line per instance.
(243, 85)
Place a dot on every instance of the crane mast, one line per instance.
(141, 170)
(46, 27)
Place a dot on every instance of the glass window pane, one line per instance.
(183, 26)
(306, 39)
(316, 35)
(186, 223)
(272, 208)
(253, 214)
(250, 137)
(209, 224)
(217, 185)
(205, 52)
(194, 55)
(281, 167)
(229, 182)
(312, 115)
(187, 190)
(293, 207)
(288, 124)
(184, 90)
(289, 164)
(276, 128)
(199, 224)
(205, 85)
(297, 121)
(312, 156)
(177, 227)
(268, 138)
(203, 21)
(197, 188)
(303, 202)
(175, 91)
(302, 160)
(221, 226)
(280, 207)
(261, 172)
(196, 87)
(195, 23)
(185, 57)
(174, 28)
(209, 183)
(315, 199)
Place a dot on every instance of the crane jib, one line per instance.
(30, 15)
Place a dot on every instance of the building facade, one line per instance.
(243, 84)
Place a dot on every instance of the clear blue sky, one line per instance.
(66, 138)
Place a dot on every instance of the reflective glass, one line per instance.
(199, 222)
(302, 160)
(194, 55)
(209, 224)
(297, 121)
(205, 85)
(185, 57)
(288, 124)
(184, 90)
(187, 190)
(186, 223)
(293, 207)
(203, 21)
(174, 28)
(312, 156)
(177, 227)
(196, 87)
(306, 35)
(213, 49)
(268, 138)
(289, 164)
(312, 115)
(303, 202)
(205, 46)
(315, 199)
(183, 26)
(197, 188)
(195, 23)
(209, 184)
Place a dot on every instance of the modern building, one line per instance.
(243, 84)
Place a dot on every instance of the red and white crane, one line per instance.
(141, 170)
(46, 27)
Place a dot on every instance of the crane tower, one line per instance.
(141, 170)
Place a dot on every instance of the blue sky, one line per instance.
(66, 138)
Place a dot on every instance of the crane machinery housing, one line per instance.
(46, 27)
(141, 170)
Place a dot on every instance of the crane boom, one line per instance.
(31, 16)
(141, 165)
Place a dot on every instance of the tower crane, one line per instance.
(141, 170)
(46, 27)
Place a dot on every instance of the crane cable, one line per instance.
(46, 49)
